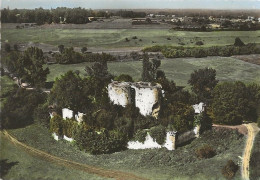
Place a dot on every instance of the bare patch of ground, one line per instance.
(252, 58)
(240, 128)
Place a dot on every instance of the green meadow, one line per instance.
(115, 38)
(178, 70)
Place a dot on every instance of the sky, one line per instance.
(133, 4)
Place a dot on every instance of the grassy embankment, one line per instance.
(17, 164)
(153, 164)
(115, 38)
(179, 70)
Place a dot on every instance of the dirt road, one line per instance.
(84, 167)
(252, 131)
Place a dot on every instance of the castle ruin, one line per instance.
(144, 95)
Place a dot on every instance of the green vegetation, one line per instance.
(202, 83)
(179, 51)
(18, 109)
(7, 85)
(234, 102)
(27, 66)
(255, 159)
(115, 38)
(179, 70)
(229, 170)
(205, 152)
(154, 164)
(16, 163)
(69, 56)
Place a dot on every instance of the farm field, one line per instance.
(15, 163)
(150, 163)
(115, 38)
(178, 70)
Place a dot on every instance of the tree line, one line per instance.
(238, 48)
(60, 15)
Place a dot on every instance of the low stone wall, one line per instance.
(171, 140)
(57, 138)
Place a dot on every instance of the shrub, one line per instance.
(158, 133)
(199, 43)
(61, 48)
(238, 42)
(124, 77)
(230, 169)
(127, 40)
(140, 135)
(19, 106)
(56, 125)
(205, 152)
(41, 115)
(124, 125)
(15, 47)
(69, 127)
(84, 49)
(7, 47)
(100, 142)
(134, 37)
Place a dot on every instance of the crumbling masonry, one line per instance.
(145, 95)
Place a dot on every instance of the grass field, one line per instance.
(115, 38)
(179, 70)
(16, 164)
(155, 164)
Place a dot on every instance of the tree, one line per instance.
(238, 42)
(202, 83)
(19, 107)
(149, 72)
(124, 77)
(7, 47)
(61, 48)
(70, 91)
(84, 49)
(30, 67)
(232, 104)
(15, 47)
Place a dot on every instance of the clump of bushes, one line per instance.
(229, 170)
(238, 42)
(69, 56)
(140, 135)
(158, 133)
(100, 142)
(62, 127)
(225, 51)
(41, 115)
(56, 125)
(199, 43)
(205, 152)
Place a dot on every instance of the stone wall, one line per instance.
(68, 114)
(146, 96)
(151, 143)
(119, 93)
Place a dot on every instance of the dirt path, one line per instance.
(84, 167)
(252, 131)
